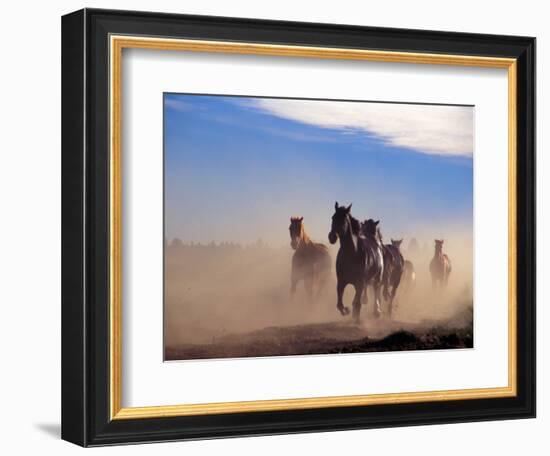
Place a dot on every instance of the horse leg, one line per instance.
(308, 285)
(395, 288)
(357, 300)
(446, 278)
(340, 292)
(385, 281)
(365, 294)
(392, 297)
(323, 279)
(377, 311)
(293, 283)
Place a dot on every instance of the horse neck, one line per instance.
(349, 241)
(373, 237)
(304, 238)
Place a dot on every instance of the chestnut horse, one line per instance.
(311, 261)
(440, 266)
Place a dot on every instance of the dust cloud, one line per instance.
(226, 290)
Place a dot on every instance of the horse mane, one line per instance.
(305, 237)
(379, 235)
(355, 225)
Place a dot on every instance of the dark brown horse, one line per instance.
(357, 263)
(392, 259)
(374, 276)
(395, 267)
(409, 276)
(440, 266)
(311, 261)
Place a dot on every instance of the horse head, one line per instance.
(397, 243)
(369, 228)
(438, 245)
(296, 230)
(341, 223)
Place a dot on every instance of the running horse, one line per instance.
(359, 261)
(409, 276)
(392, 258)
(311, 261)
(396, 268)
(440, 266)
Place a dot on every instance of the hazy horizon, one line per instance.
(237, 168)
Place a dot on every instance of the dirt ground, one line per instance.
(330, 338)
(228, 300)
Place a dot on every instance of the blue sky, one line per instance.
(237, 168)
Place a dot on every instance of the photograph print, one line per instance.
(316, 227)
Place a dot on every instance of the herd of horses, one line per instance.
(363, 260)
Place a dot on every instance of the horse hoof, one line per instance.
(343, 310)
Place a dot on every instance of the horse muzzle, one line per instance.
(293, 244)
(332, 237)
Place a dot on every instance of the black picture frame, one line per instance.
(85, 228)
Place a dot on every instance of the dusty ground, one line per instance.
(333, 337)
(226, 300)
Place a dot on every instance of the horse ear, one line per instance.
(349, 207)
(336, 205)
(301, 219)
(377, 222)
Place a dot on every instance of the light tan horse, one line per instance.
(440, 266)
(310, 262)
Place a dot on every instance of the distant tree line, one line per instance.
(177, 244)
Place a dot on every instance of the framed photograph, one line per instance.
(278, 227)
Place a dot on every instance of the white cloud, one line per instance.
(437, 130)
(178, 105)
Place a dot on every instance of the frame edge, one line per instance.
(73, 302)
